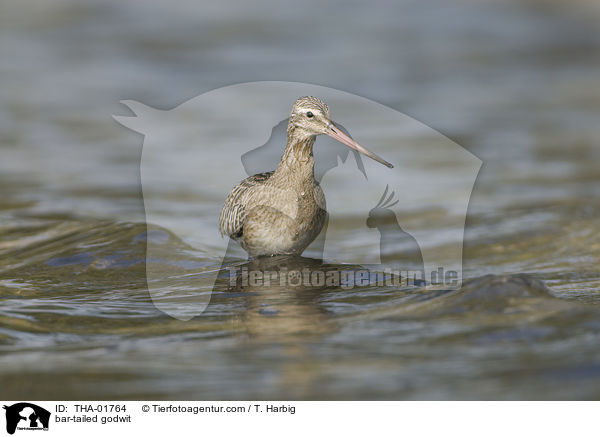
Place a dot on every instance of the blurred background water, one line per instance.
(514, 82)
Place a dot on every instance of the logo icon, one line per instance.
(191, 160)
(26, 416)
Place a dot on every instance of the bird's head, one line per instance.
(310, 117)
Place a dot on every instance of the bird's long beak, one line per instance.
(334, 132)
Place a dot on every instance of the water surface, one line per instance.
(516, 83)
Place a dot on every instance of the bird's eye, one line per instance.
(309, 114)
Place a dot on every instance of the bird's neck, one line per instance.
(297, 160)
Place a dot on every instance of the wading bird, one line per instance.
(281, 212)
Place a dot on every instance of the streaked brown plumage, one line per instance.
(283, 211)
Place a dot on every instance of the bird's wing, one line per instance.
(233, 213)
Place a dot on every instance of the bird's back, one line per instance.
(235, 209)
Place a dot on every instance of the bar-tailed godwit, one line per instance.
(281, 212)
